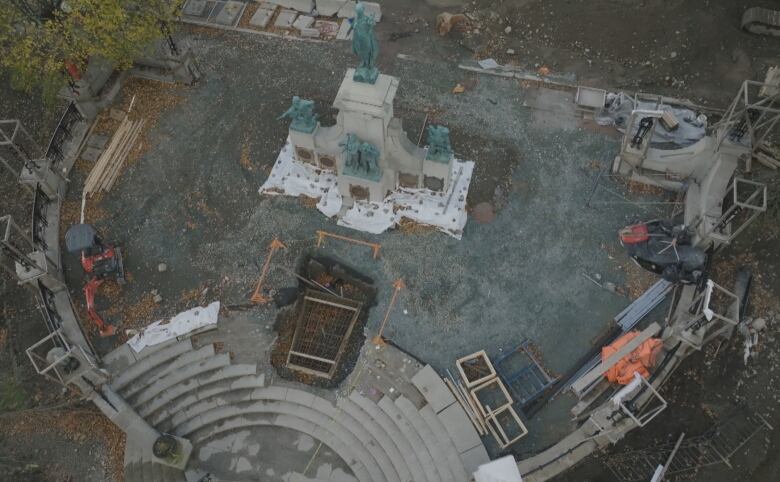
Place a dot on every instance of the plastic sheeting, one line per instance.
(691, 128)
(181, 324)
(503, 469)
(443, 210)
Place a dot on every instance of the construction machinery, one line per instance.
(664, 247)
(101, 262)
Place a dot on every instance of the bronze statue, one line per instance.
(365, 46)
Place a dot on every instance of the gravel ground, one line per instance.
(191, 203)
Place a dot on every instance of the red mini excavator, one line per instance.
(101, 261)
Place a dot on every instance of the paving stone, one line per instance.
(347, 10)
(373, 9)
(262, 16)
(433, 388)
(310, 33)
(285, 19)
(195, 8)
(329, 8)
(91, 153)
(458, 425)
(229, 13)
(304, 6)
(303, 21)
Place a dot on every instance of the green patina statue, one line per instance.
(361, 159)
(365, 46)
(439, 148)
(302, 114)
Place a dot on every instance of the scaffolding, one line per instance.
(750, 117)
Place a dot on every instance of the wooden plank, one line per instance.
(465, 407)
(100, 166)
(111, 166)
(474, 356)
(129, 145)
(605, 365)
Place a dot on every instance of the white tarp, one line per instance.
(372, 218)
(443, 210)
(293, 178)
(181, 324)
(499, 470)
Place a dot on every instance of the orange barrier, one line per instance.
(638, 361)
(258, 297)
(322, 234)
(398, 285)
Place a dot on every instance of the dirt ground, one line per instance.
(685, 49)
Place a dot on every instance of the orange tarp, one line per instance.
(639, 360)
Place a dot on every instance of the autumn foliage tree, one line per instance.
(44, 42)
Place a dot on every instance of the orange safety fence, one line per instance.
(638, 361)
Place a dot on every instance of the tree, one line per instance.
(45, 43)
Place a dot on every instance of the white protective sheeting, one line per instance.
(446, 211)
(499, 470)
(181, 324)
(372, 218)
(293, 178)
(443, 210)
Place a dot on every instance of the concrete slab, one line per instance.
(229, 13)
(262, 16)
(303, 21)
(285, 19)
(329, 8)
(195, 8)
(97, 140)
(303, 6)
(433, 388)
(91, 154)
(345, 31)
(347, 10)
(458, 425)
(373, 9)
(473, 458)
(310, 33)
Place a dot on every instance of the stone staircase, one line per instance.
(196, 393)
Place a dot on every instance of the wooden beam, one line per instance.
(600, 369)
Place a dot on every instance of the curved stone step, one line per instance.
(191, 384)
(224, 399)
(455, 464)
(435, 449)
(176, 378)
(147, 364)
(389, 426)
(384, 439)
(377, 463)
(162, 370)
(162, 418)
(409, 431)
(339, 448)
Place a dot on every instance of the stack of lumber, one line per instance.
(109, 164)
